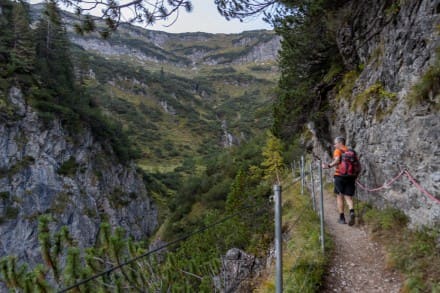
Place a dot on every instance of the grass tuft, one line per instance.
(427, 90)
(415, 253)
(375, 96)
(303, 262)
(347, 85)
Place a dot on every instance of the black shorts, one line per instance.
(345, 185)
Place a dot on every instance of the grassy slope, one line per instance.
(303, 262)
(202, 96)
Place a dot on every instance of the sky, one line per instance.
(205, 18)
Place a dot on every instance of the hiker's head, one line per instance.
(339, 141)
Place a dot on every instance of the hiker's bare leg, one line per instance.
(340, 203)
(349, 200)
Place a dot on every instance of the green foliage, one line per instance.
(17, 167)
(303, 262)
(23, 52)
(17, 54)
(347, 84)
(225, 187)
(189, 267)
(39, 62)
(53, 55)
(413, 252)
(418, 258)
(306, 271)
(393, 9)
(307, 61)
(273, 162)
(49, 110)
(261, 68)
(427, 90)
(118, 198)
(4, 195)
(11, 212)
(11, 274)
(386, 219)
(224, 70)
(135, 95)
(375, 96)
(54, 95)
(68, 168)
(334, 71)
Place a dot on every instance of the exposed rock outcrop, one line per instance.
(238, 270)
(46, 170)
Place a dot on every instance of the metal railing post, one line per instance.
(278, 239)
(312, 180)
(293, 170)
(302, 174)
(321, 206)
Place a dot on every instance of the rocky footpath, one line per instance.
(46, 170)
(390, 47)
(357, 264)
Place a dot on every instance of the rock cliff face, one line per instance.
(45, 170)
(395, 45)
(187, 49)
(183, 49)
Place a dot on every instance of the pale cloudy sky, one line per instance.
(205, 18)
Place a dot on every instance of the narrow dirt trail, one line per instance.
(358, 263)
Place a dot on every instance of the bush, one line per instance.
(427, 90)
(413, 252)
(68, 168)
(387, 219)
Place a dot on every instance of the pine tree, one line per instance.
(237, 196)
(6, 35)
(23, 50)
(52, 49)
(273, 162)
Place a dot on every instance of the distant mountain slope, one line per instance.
(188, 49)
(179, 95)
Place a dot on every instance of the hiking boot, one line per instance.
(341, 221)
(351, 221)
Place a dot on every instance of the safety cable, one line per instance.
(410, 177)
(387, 184)
(159, 248)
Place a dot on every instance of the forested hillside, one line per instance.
(76, 121)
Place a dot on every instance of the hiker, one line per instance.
(344, 185)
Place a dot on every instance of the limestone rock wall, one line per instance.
(95, 189)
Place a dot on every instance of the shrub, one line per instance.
(68, 168)
(384, 100)
(413, 252)
(347, 84)
(19, 166)
(387, 219)
(4, 195)
(427, 90)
